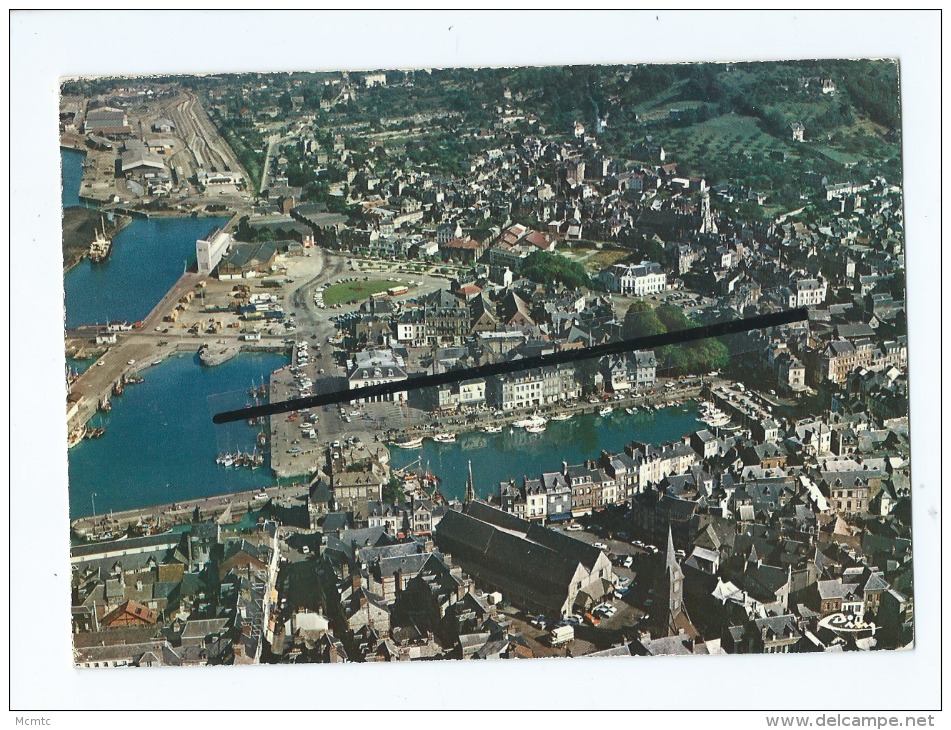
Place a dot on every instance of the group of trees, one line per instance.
(694, 357)
(543, 267)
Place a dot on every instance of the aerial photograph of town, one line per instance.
(238, 240)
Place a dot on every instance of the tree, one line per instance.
(544, 267)
(642, 321)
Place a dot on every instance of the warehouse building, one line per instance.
(248, 260)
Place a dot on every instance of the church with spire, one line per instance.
(675, 618)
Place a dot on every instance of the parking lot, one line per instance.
(616, 619)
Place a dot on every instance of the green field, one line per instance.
(593, 260)
(355, 291)
(725, 135)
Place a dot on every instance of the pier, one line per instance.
(139, 346)
(223, 508)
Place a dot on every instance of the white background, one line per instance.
(47, 45)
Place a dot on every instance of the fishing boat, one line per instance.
(118, 388)
(605, 411)
(492, 429)
(445, 438)
(535, 429)
(100, 247)
(104, 405)
(75, 436)
(562, 417)
(716, 421)
(410, 443)
(713, 416)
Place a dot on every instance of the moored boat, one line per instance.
(605, 411)
(532, 422)
(100, 247)
(492, 429)
(562, 417)
(75, 436)
(445, 438)
(410, 443)
(535, 429)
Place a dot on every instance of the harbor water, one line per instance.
(148, 257)
(515, 453)
(160, 444)
(72, 169)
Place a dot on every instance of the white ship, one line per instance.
(100, 248)
(532, 422)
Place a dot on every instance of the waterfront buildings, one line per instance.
(211, 249)
(376, 367)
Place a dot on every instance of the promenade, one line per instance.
(223, 507)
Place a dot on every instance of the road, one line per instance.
(271, 141)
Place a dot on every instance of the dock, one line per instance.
(222, 507)
(139, 347)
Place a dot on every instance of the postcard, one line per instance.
(397, 283)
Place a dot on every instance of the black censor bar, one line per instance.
(760, 321)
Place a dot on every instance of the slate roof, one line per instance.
(540, 561)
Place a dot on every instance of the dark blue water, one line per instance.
(160, 444)
(72, 167)
(148, 257)
(512, 455)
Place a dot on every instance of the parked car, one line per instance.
(574, 527)
(601, 546)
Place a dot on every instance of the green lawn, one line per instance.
(727, 132)
(845, 158)
(355, 291)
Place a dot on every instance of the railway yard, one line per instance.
(181, 146)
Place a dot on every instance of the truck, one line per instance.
(562, 635)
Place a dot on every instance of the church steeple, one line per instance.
(470, 486)
(675, 582)
(707, 225)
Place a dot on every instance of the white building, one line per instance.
(209, 250)
(371, 80)
(640, 280)
(808, 293)
(376, 367)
